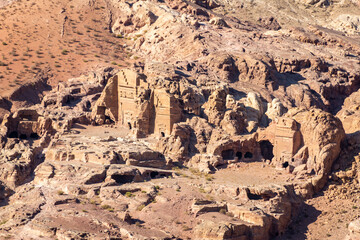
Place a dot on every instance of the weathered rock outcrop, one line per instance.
(275, 207)
(324, 142)
(18, 160)
(350, 113)
(239, 60)
(240, 111)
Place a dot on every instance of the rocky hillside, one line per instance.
(337, 15)
(63, 39)
(174, 119)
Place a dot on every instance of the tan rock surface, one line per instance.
(349, 114)
(223, 126)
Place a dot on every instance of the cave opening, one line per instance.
(34, 136)
(285, 164)
(238, 155)
(248, 155)
(108, 120)
(227, 154)
(162, 134)
(13, 134)
(253, 196)
(121, 179)
(23, 136)
(129, 125)
(267, 149)
(154, 174)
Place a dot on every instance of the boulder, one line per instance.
(354, 228)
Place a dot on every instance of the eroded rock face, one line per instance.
(349, 114)
(278, 205)
(275, 71)
(223, 128)
(18, 160)
(130, 153)
(324, 144)
(213, 131)
(306, 142)
(24, 206)
(216, 105)
(26, 123)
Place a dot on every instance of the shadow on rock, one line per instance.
(298, 228)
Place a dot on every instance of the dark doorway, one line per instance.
(285, 164)
(154, 174)
(108, 120)
(162, 134)
(13, 134)
(248, 155)
(227, 154)
(238, 155)
(23, 136)
(266, 149)
(34, 136)
(129, 125)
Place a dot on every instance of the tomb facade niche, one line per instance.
(166, 112)
(287, 140)
(238, 149)
(267, 149)
(25, 124)
(131, 102)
